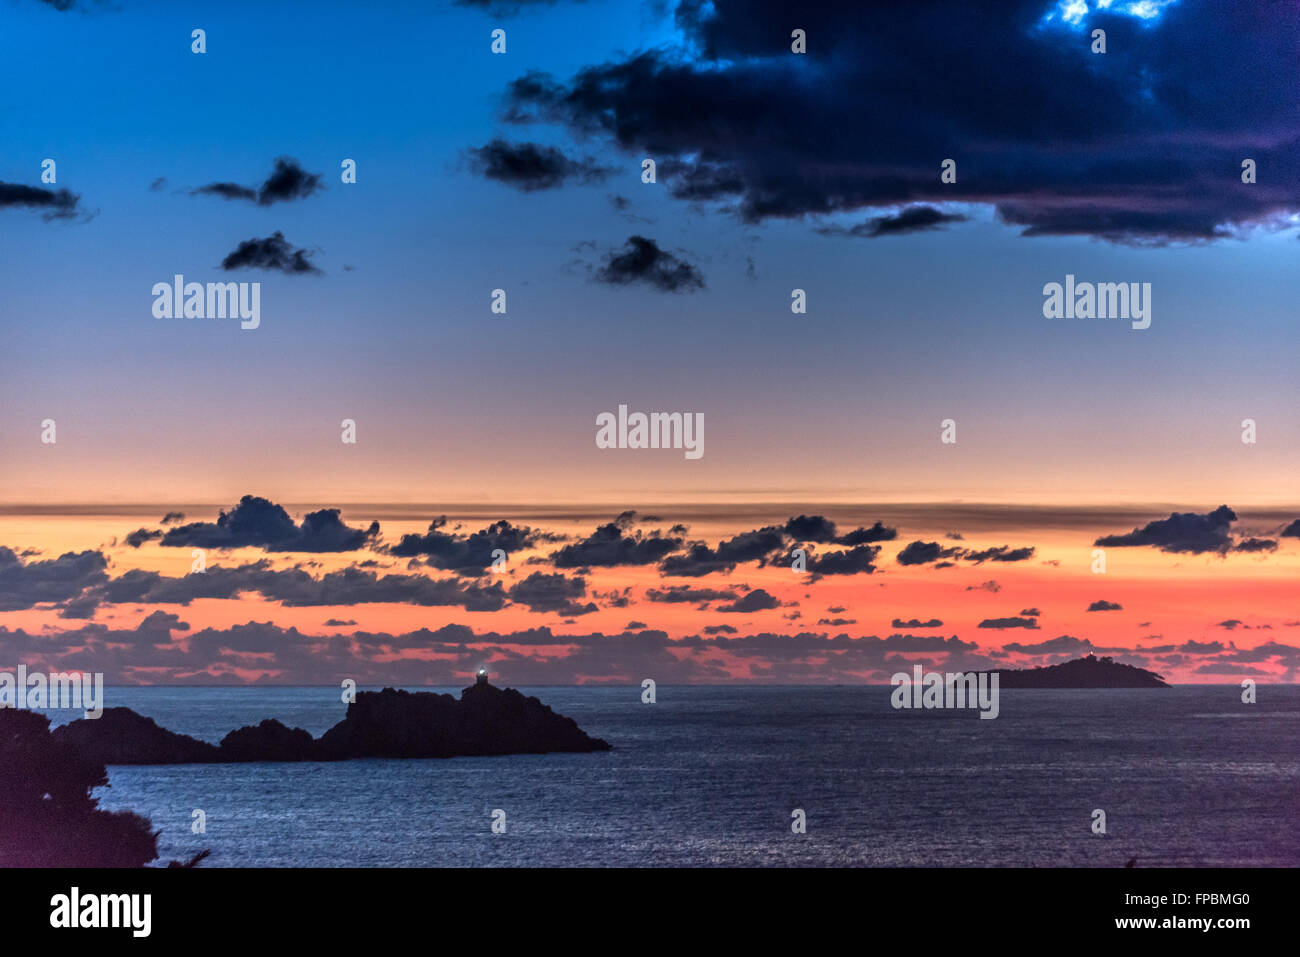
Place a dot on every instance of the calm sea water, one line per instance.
(710, 775)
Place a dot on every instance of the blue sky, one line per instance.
(902, 330)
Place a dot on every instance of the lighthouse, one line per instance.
(482, 677)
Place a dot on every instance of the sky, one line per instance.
(775, 171)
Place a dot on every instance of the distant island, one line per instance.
(484, 721)
(1087, 672)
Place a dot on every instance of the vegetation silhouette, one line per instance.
(48, 815)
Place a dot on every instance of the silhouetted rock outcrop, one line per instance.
(485, 720)
(268, 741)
(1086, 672)
(120, 736)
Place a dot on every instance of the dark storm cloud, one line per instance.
(468, 554)
(810, 528)
(757, 600)
(1102, 605)
(1012, 622)
(920, 553)
(913, 219)
(816, 528)
(700, 559)
(611, 545)
(24, 584)
(916, 623)
(860, 536)
(531, 166)
(256, 522)
(852, 561)
(999, 553)
(677, 594)
(642, 261)
(54, 203)
(552, 592)
(142, 535)
(1292, 530)
(273, 253)
(771, 545)
(288, 181)
(1180, 532)
(1141, 144)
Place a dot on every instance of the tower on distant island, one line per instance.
(482, 677)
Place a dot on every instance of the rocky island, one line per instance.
(485, 720)
(1086, 672)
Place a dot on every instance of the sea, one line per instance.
(724, 775)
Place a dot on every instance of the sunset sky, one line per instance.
(523, 171)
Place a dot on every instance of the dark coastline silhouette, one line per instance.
(48, 817)
(484, 721)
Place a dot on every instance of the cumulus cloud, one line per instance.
(999, 553)
(256, 522)
(544, 592)
(273, 253)
(468, 554)
(613, 544)
(757, 600)
(916, 623)
(288, 181)
(53, 203)
(27, 583)
(921, 553)
(531, 166)
(912, 219)
(642, 261)
(1011, 622)
(676, 594)
(1180, 532)
(765, 134)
